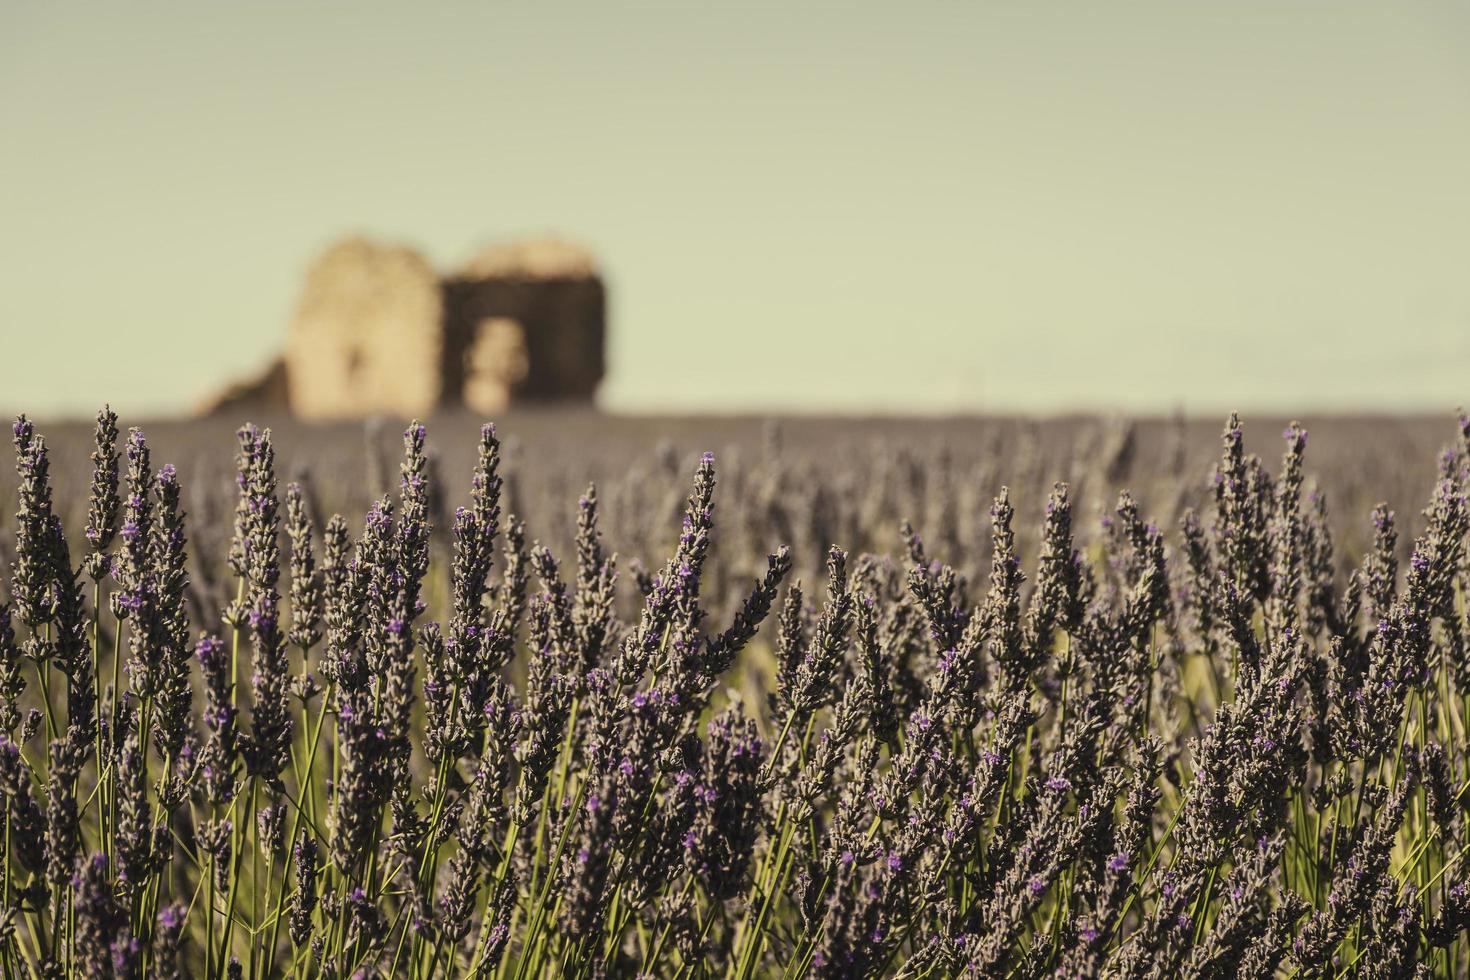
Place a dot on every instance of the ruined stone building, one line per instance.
(378, 330)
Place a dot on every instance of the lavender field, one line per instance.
(586, 696)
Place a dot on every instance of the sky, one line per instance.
(927, 207)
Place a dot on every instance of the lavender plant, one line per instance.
(430, 748)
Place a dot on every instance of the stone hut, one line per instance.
(378, 330)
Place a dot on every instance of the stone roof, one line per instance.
(532, 258)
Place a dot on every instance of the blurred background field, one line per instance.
(804, 481)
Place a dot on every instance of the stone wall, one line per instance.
(368, 334)
(550, 330)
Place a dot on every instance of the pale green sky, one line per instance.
(926, 207)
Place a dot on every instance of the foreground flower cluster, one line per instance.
(390, 757)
